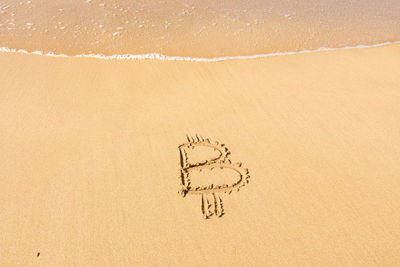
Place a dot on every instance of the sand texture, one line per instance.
(205, 28)
(92, 171)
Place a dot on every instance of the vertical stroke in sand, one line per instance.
(211, 201)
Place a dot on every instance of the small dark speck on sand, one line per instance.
(38, 254)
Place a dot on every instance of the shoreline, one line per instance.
(90, 160)
(158, 56)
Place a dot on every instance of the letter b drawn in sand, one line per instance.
(208, 169)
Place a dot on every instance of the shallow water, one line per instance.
(190, 28)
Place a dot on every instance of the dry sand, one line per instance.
(89, 162)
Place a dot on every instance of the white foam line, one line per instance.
(193, 59)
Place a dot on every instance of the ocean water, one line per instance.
(193, 29)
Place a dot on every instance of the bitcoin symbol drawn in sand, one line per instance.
(211, 202)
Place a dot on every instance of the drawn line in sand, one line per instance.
(211, 202)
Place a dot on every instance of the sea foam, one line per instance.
(157, 56)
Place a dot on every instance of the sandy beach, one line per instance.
(90, 165)
(193, 28)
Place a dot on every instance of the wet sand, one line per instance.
(195, 28)
(90, 165)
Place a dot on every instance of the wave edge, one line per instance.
(158, 56)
